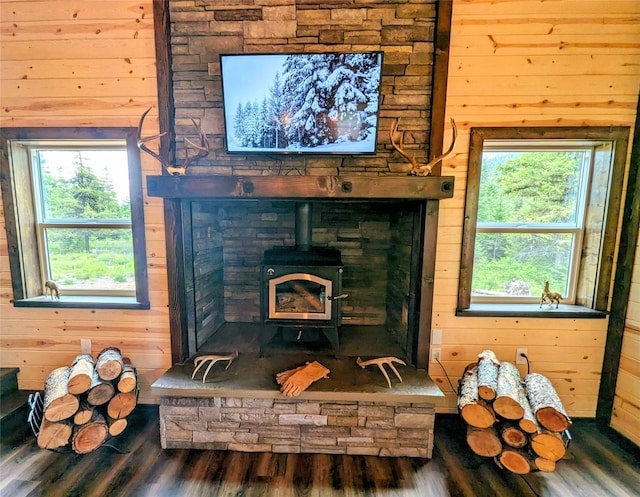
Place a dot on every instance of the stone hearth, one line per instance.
(351, 412)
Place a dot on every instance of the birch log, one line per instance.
(101, 391)
(81, 374)
(545, 403)
(109, 364)
(127, 381)
(528, 423)
(59, 404)
(475, 411)
(488, 365)
(510, 395)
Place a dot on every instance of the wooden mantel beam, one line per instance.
(292, 187)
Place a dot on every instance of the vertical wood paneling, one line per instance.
(531, 63)
(82, 63)
(626, 405)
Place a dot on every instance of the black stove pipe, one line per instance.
(303, 226)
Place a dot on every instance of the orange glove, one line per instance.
(300, 380)
(285, 375)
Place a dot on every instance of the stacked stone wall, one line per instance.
(297, 426)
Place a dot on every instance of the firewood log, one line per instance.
(91, 435)
(53, 435)
(473, 410)
(313, 300)
(84, 413)
(484, 441)
(514, 460)
(513, 436)
(121, 405)
(109, 364)
(528, 423)
(544, 465)
(510, 396)
(101, 391)
(488, 365)
(127, 381)
(116, 426)
(545, 403)
(548, 444)
(59, 404)
(81, 374)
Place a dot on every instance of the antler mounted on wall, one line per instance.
(418, 169)
(202, 148)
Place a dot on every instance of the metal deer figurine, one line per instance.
(202, 148)
(418, 169)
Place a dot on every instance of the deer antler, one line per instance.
(202, 148)
(418, 169)
(380, 361)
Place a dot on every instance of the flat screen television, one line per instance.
(320, 103)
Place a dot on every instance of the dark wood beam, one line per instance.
(172, 208)
(622, 284)
(287, 187)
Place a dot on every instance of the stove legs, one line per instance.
(267, 332)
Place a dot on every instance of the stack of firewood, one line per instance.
(521, 424)
(87, 402)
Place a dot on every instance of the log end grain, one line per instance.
(484, 442)
(552, 419)
(513, 437)
(544, 465)
(89, 437)
(486, 393)
(514, 461)
(508, 408)
(548, 445)
(79, 383)
(478, 415)
(62, 408)
(54, 435)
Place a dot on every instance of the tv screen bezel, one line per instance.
(310, 150)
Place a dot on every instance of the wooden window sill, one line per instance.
(531, 311)
(84, 302)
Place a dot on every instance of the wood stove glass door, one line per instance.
(300, 296)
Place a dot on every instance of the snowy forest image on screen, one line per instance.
(296, 103)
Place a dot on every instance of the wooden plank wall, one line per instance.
(532, 63)
(626, 403)
(82, 63)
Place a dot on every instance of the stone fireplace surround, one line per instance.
(242, 409)
(190, 35)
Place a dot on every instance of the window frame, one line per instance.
(27, 273)
(599, 304)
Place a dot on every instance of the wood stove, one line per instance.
(301, 290)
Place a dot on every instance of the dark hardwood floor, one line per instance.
(594, 466)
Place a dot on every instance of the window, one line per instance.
(73, 205)
(542, 205)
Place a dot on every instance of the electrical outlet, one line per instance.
(435, 355)
(519, 358)
(85, 345)
(436, 337)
